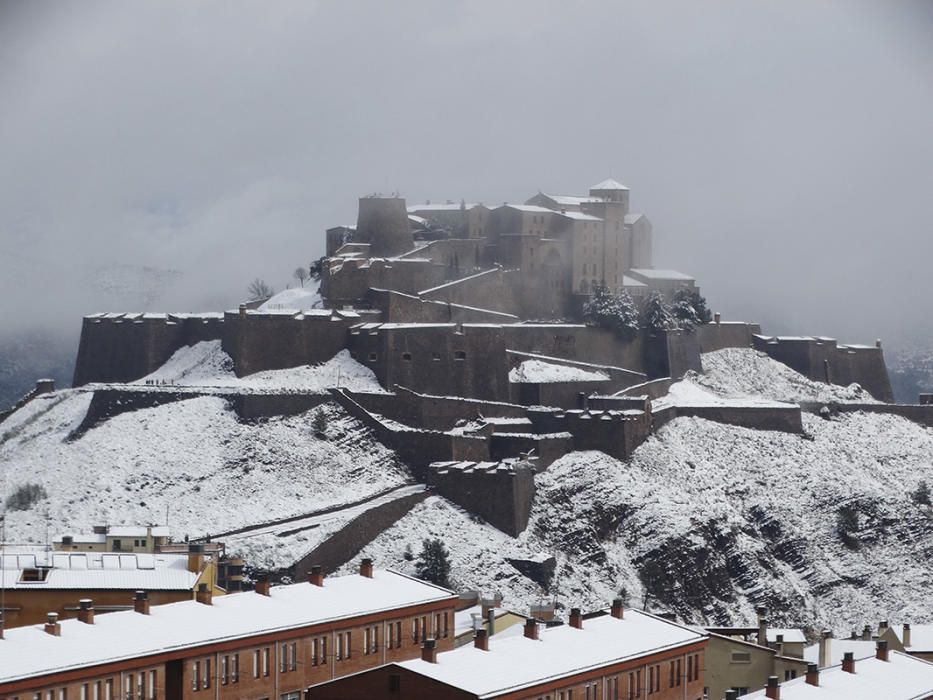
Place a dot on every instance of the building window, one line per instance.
(265, 661)
(372, 357)
(206, 683)
(460, 355)
(256, 663)
(235, 668)
(195, 675)
(293, 656)
(406, 356)
(435, 356)
(283, 655)
(741, 657)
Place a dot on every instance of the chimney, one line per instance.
(866, 633)
(848, 662)
(366, 568)
(491, 621)
(762, 631)
(203, 594)
(717, 317)
(773, 689)
(617, 611)
(316, 575)
(481, 640)
(881, 652)
(813, 674)
(826, 654)
(52, 627)
(429, 651)
(531, 628)
(242, 310)
(262, 584)
(882, 627)
(141, 602)
(576, 618)
(195, 558)
(905, 638)
(86, 611)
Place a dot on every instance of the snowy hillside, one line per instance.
(206, 365)
(193, 457)
(706, 519)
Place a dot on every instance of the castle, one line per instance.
(473, 315)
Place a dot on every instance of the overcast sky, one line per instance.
(783, 150)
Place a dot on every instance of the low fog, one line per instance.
(162, 154)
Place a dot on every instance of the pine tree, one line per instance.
(922, 495)
(434, 563)
(615, 312)
(656, 316)
(682, 309)
(319, 422)
(702, 310)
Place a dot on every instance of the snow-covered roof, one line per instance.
(570, 200)
(609, 184)
(443, 207)
(118, 531)
(632, 218)
(921, 638)
(651, 273)
(29, 651)
(860, 649)
(539, 372)
(529, 208)
(99, 571)
(579, 216)
(687, 393)
(294, 299)
(518, 662)
(902, 677)
(631, 282)
(792, 636)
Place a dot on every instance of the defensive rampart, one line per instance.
(124, 347)
(398, 307)
(822, 359)
(43, 386)
(720, 335)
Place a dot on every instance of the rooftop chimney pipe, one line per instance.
(881, 652)
(813, 674)
(366, 568)
(203, 594)
(316, 576)
(617, 611)
(52, 626)
(86, 611)
(531, 628)
(762, 631)
(866, 633)
(262, 584)
(141, 602)
(825, 656)
(905, 638)
(481, 640)
(848, 662)
(576, 618)
(773, 689)
(429, 651)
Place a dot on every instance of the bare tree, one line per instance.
(301, 275)
(258, 289)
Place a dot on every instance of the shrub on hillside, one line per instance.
(434, 563)
(922, 495)
(615, 312)
(25, 497)
(847, 525)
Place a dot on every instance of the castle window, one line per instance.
(436, 356)
(460, 355)
(406, 356)
(372, 357)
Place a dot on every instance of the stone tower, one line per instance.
(383, 223)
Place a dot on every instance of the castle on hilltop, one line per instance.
(537, 260)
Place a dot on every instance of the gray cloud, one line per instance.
(783, 150)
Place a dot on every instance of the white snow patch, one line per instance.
(538, 372)
(298, 299)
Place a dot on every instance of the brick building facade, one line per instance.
(272, 643)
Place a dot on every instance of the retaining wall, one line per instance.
(501, 495)
(353, 537)
(43, 386)
(718, 336)
(918, 413)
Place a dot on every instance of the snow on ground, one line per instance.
(298, 299)
(538, 372)
(195, 458)
(206, 365)
(743, 372)
(688, 393)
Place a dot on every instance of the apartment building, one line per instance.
(272, 643)
(891, 675)
(614, 655)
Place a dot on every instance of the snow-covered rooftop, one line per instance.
(99, 570)
(579, 216)
(790, 635)
(902, 677)
(296, 299)
(860, 649)
(609, 184)
(538, 372)
(452, 206)
(30, 651)
(571, 200)
(651, 273)
(921, 638)
(518, 662)
(529, 208)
